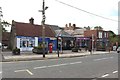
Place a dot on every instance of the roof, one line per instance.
(32, 30)
(54, 27)
(62, 33)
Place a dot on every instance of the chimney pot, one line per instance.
(31, 20)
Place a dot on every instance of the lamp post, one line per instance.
(43, 26)
(92, 43)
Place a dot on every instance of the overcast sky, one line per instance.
(60, 14)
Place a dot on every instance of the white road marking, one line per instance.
(115, 72)
(40, 67)
(76, 62)
(20, 70)
(105, 75)
(57, 65)
(29, 72)
(24, 70)
(1, 72)
(54, 65)
(102, 59)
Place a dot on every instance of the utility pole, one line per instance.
(43, 26)
(92, 43)
(1, 27)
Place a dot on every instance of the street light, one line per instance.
(43, 26)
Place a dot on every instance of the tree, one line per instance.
(98, 28)
(88, 28)
(113, 38)
(3, 25)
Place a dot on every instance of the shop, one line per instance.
(82, 42)
(27, 43)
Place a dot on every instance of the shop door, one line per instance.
(25, 44)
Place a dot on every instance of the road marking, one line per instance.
(57, 65)
(24, 70)
(115, 72)
(76, 62)
(40, 67)
(102, 59)
(29, 72)
(105, 75)
(20, 70)
(54, 65)
(1, 72)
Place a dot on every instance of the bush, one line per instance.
(39, 50)
(74, 49)
(16, 51)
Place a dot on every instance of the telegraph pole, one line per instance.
(43, 26)
(1, 27)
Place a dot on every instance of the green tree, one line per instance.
(98, 28)
(113, 38)
(88, 28)
(3, 25)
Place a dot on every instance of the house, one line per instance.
(100, 39)
(65, 40)
(78, 33)
(27, 35)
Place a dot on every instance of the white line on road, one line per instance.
(40, 67)
(24, 70)
(105, 75)
(115, 72)
(1, 72)
(76, 62)
(57, 65)
(29, 72)
(20, 70)
(102, 59)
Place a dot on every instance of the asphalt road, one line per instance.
(100, 66)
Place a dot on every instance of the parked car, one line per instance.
(118, 49)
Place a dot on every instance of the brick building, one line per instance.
(100, 39)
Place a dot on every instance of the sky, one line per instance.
(60, 14)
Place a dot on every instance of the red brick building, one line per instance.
(100, 39)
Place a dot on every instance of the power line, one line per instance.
(86, 11)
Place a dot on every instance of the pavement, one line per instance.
(26, 56)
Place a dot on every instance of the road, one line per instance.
(100, 66)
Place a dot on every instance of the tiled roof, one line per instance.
(32, 30)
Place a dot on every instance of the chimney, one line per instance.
(66, 27)
(74, 26)
(31, 20)
(69, 24)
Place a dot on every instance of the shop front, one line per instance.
(82, 42)
(27, 43)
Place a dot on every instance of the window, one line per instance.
(105, 34)
(100, 34)
(27, 42)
